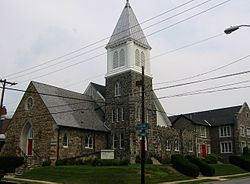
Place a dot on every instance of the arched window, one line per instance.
(118, 89)
(30, 142)
(65, 140)
(176, 145)
(122, 57)
(137, 57)
(115, 60)
(168, 145)
(142, 59)
(89, 142)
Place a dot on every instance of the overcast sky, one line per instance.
(34, 32)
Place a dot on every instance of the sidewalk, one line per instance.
(29, 180)
(219, 178)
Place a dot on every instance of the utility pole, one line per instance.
(4, 82)
(143, 137)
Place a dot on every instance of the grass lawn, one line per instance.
(227, 169)
(103, 174)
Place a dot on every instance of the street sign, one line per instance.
(142, 126)
(143, 134)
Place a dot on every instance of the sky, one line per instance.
(35, 35)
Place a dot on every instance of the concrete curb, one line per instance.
(30, 180)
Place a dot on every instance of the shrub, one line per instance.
(8, 163)
(211, 159)
(241, 161)
(61, 162)
(46, 163)
(246, 151)
(205, 169)
(166, 161)
(184, 166)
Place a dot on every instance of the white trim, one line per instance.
(224, 132)
(226, 148)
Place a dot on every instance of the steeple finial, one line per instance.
(127, 4)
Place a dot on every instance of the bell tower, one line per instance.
(127, 51)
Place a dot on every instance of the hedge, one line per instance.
(205, 169)
(8, 163)
(211, 159)
(183, 165)
(241, 161)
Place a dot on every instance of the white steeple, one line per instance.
(127, 48)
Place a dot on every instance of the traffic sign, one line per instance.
(143, 134)
(142, 126)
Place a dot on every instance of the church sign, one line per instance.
(142, 126)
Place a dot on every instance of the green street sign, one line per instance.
(143, 134)
(144, 126)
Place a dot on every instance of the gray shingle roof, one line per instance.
(100, 88)
(71, 109)
(216, 117)
(128, 28)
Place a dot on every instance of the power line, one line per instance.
(137, 40)
(75, 51)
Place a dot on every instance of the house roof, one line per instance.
(100, 88)
(71, 109)
(128, 28)
(216, 117)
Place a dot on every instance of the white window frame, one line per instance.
(87, 143)
(203, 131)
(248, 132)
(168, 145)
(224, 147)
(118, 88)
(176, 145)
(123, 115)
(242, 131)
(121, 141)
(117, 115)
(65, 143)
(190, 146)
(225, 131)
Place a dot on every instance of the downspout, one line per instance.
(58, 145)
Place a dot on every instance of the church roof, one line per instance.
(100, 88)
(128, 28)
(215, 117)
(71, 109)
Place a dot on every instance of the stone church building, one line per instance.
(51, 123)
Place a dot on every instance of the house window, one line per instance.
(190, 146)
(168, 145)
(203, 131)
(122, 57)
(117, 115)
(115, 141)
(118, 89)
(115, 60)
(113, 115)
(123, 114)
(243, 145)
(137, 57)
(89, 142)
(226, 147)
(138, 113)
(225, 131)
(248, 132)
(121, 140)
(142, 59)
(198, 148)
(65, 140)
(242, 131)
(176, 145)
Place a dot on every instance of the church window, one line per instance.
(89, 142)
(176, 145)
(30, 142)
(113, 115)
(121, 140)
(118, 89)
(65, 140)
(142, 59)
(115, 141)
(29, 103)
(122, 57)
(137, 57)
(168, 145)
(115, 60)
(123, 114)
